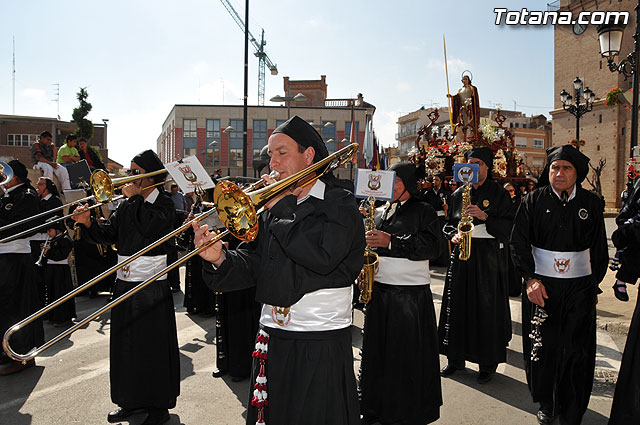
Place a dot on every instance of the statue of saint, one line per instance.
(466, 109)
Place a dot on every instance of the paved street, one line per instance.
(70, 384)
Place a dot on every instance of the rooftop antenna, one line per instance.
(13, 74)
(57, 98)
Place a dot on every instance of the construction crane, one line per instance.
(263, 59)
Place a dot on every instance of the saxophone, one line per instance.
(368, 273)
(465, 226)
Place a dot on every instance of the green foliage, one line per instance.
(84, 127)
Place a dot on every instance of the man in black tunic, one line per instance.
(626, 403)
(560, 247)
(307, 255)
(18, 284)
(145, 367)
(475, 319)
(402, 386)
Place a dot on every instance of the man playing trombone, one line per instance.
(18, 284)
(144, 362)
(308, 252)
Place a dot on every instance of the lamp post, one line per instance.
(288, 99)
(104, 137)
(576, 108)
(227, 130)
(610, 37)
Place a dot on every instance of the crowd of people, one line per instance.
(284, 301)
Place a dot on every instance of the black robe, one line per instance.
(57, 278)
(18, 284)
(563, 375)
(400, 345)
(45, 205)
(475, 318)
(515, 280)
(626, 402)
(437, 200)
(145, 366)
(301, 248)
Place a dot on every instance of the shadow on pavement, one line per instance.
(14, 392)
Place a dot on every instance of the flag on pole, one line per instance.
(374, 164)
(353, 135)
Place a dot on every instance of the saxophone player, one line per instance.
(400, 335)
(475, 320)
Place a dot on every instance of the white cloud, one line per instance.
(34, 94)
(455, 65)
(386, 127)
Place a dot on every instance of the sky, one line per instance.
(139, 58)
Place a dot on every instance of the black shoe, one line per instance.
(484, 377)
(620, 291)
(544, 417)
(448, 370)
(119, 414)
(218, 373)
(156, 417)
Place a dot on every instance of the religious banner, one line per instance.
(189, 174)
(465, 172)
(375, 183)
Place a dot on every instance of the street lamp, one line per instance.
(288, 99)
(610, 37)
(576, 109)
(104, 137)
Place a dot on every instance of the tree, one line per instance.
(595, 176)
(84, 127)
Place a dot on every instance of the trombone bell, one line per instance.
(236, 210)
(6, 173)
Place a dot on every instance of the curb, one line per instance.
(617, 328)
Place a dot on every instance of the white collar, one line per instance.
(317, 191)
(151, 198)
(46, 198)
(13, 187)
(571, 196)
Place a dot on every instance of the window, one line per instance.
(347, 130)
(259, 136)
(329, 132)
(189, 128)
(213, 129)
(278, 122)
(510, 125)
(21, 139)
(235, 137)
(538, 144)
(517, 125)
(524, 125)
(188, 152)
(521, 142)
(235, 157)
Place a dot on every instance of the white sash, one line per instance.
(480, 232)
(142, 268)
(16, 246)
(321, 310)
(562, 265)
(402, 272)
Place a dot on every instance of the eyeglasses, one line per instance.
(133, 172)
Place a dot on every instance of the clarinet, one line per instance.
(539, 316)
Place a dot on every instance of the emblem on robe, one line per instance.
(187, 172)
(8, 206)
(583, 214)
(374, 181)
(485, 203)
(561, 265)
(281, 315)
(126, 271)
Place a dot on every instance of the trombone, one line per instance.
(238, 210)
(103, 188)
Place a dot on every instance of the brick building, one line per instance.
(214, 132)
(606, 129)
(18, 133)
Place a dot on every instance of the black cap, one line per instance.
(566, 153)
(19, 170)
(483, 153)
(305, 135)
(409, 174)
(150, 161)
